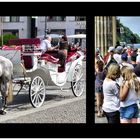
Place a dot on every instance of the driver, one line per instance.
(46, 44)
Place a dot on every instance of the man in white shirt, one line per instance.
(46, 44)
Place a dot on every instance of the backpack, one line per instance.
(112, 60)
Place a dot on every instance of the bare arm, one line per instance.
(124, 89)
(53, 48)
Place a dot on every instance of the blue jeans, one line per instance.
(129, 112)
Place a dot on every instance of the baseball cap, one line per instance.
(111, 49)
(119, 49)
(124, 56)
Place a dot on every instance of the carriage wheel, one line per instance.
(77, 83)
(37, 91)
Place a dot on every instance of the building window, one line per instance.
(56, 18)
(11, 19)
(14, 19)
(6, 19)
(58, 31)
(80, 18)
(14, 32)
(80, 31)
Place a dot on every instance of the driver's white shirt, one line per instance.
(45, 44)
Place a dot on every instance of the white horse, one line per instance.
(6, 73)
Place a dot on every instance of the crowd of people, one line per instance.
(117, 84)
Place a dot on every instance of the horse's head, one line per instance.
(6, 72)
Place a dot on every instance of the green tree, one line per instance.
(127, 35)
(6, 38)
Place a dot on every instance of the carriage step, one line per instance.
(65, 90)
(23, 79)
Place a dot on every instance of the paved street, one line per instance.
(59, 107)
(67, 111)
(100, 120)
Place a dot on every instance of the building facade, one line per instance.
(22, 26)
(105, 32)
(16, 25)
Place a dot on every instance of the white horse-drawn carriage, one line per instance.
(34, 71)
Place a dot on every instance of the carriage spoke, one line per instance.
(41, 89)
(33, 93)
(33, 98)
(36, 99)
(39, 97)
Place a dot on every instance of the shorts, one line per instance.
(129, 112)
(113, 117)
(99, 89)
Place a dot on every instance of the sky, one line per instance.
(133, 23)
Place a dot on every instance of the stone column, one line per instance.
(105, 32)
(114, 31)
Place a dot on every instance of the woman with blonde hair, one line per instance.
(129, 91)
(111, 102)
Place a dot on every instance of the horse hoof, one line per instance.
(2, 112)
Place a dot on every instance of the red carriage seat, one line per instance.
(51, 57)
(70, 54)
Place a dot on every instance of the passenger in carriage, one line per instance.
(46, 44)
(63, 47)
(63, 50)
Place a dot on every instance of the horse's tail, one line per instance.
(10, 92)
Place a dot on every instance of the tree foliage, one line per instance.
(6, 38)
(127, 35)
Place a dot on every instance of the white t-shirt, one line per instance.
(117, 57)
(45, 44)
(111, 102)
